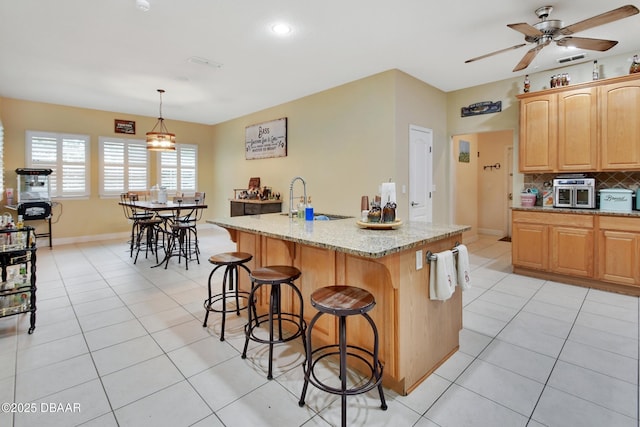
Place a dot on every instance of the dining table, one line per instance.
(168, 210)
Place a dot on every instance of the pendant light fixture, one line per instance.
(162, 140)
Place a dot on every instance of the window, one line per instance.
(178, 169)
(66, 155)
(123, 166)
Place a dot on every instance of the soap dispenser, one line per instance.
(301, 208)
(308, 212)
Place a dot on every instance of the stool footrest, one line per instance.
(210, 302)
(288, 318)
(374, 380)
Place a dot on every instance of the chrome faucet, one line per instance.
(304, 186)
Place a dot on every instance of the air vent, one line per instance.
(571, 58)
(204, 61)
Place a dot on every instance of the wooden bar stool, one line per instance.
(218, 302)
(343, 301)
(274, 276)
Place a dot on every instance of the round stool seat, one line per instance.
(275, 274)
(228, 300)
(227, 258)
(342, 300)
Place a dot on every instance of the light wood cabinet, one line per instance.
(560, 243)
(619, 250)
(572, 251)
(529, 245)
(601, 251)
(620, 125)
(589, 127)
(538, 133)
(578, 130)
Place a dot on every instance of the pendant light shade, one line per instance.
(162, 139)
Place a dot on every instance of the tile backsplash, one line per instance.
(630, 180)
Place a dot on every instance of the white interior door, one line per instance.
(420, 173)
(509, 187)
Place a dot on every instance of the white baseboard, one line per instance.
(125, 235)
(491, 232)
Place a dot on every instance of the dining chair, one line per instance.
(134, 215)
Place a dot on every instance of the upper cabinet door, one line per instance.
(620, 126)
(538, 133)
(578, 130)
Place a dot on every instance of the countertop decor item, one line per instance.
(380, 225)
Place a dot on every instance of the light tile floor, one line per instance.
(123, 344)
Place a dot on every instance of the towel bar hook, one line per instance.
(432, 257)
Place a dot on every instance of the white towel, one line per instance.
(464, 279)
(442, 277)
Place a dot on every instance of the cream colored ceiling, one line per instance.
(108, 55)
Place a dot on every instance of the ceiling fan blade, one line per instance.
(528, 57)
(526, 29)
(586, 43)
(495, 53)
(604, 18)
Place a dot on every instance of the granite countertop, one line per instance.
(342, 235)
(576, 211)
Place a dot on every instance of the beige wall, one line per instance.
(492, 183)
(344, 142)
(420, 104)
(77, 219)
(466, 186)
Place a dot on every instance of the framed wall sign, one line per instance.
(125, 126)
(266, 140)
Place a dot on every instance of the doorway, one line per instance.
(483, 174)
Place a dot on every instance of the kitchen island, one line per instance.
(416, 333)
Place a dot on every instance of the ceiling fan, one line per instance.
(547, 30)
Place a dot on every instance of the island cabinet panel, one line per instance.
(427, 329)
(578, 130)
(619, 250)
(538, 133)
(318, 267)
(620, 125)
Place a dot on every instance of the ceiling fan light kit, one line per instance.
(545, 31)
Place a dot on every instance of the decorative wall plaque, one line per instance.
(125, 126)
(265, 140)
(486, 107)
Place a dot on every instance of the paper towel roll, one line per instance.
(388, 192)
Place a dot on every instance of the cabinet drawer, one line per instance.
(561, 219)
(619, 223)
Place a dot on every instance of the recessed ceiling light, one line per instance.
(281, 29)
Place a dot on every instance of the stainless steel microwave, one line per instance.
(574, 193)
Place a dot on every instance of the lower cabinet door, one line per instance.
(529, 245)
(572, 251)
(619, 254)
